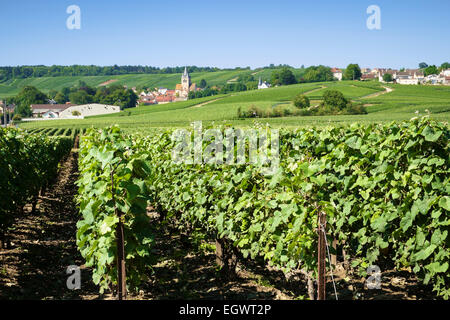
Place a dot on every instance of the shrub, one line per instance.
(301, 101)
(334, 103)
(387, 77)
(239, 113)
(355, 109)
(304, 112)
(277, 111)
(254, 112)
(335, 98)
(76, 113)
(287, 112)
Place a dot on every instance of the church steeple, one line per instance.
(185, 82)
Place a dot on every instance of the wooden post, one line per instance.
(226, 257)
(321, 257)
(122, 276)
(121, 271)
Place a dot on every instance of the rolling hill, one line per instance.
(400, 103)
(45, 84)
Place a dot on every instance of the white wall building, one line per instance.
(408, 76)
(86, 110)
(263, 85)
(407, 81)
(337, 73)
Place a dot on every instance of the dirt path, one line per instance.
(107, 82)
(188, 271)
(43, 245)
(379, 93)
(314, 90)
(204, 103)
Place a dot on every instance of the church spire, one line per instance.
(185, 71)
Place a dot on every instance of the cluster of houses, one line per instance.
(164, 95)
(181, 92)
(405, 76)
(409, 76)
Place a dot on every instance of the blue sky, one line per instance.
(225, 33)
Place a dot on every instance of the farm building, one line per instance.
(39, 110)
(86, 110)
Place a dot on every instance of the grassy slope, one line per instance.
(400, 104)
(12, 87)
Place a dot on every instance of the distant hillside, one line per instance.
(398, 103)
(12, 87)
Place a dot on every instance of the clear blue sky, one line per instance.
(225, 33)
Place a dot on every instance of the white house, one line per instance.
(263, 85)
(382, 72)
(434, 79)
(162, 90)
(408, 76)
(407, 80)
(337, 73)
(86, 110)
(445, 73)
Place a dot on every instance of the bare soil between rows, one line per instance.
(43, 245)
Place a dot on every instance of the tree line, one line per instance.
(23, 72)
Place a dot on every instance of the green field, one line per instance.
(45, 84)
(382, 106)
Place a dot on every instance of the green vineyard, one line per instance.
(384, 189)
(28, 164)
